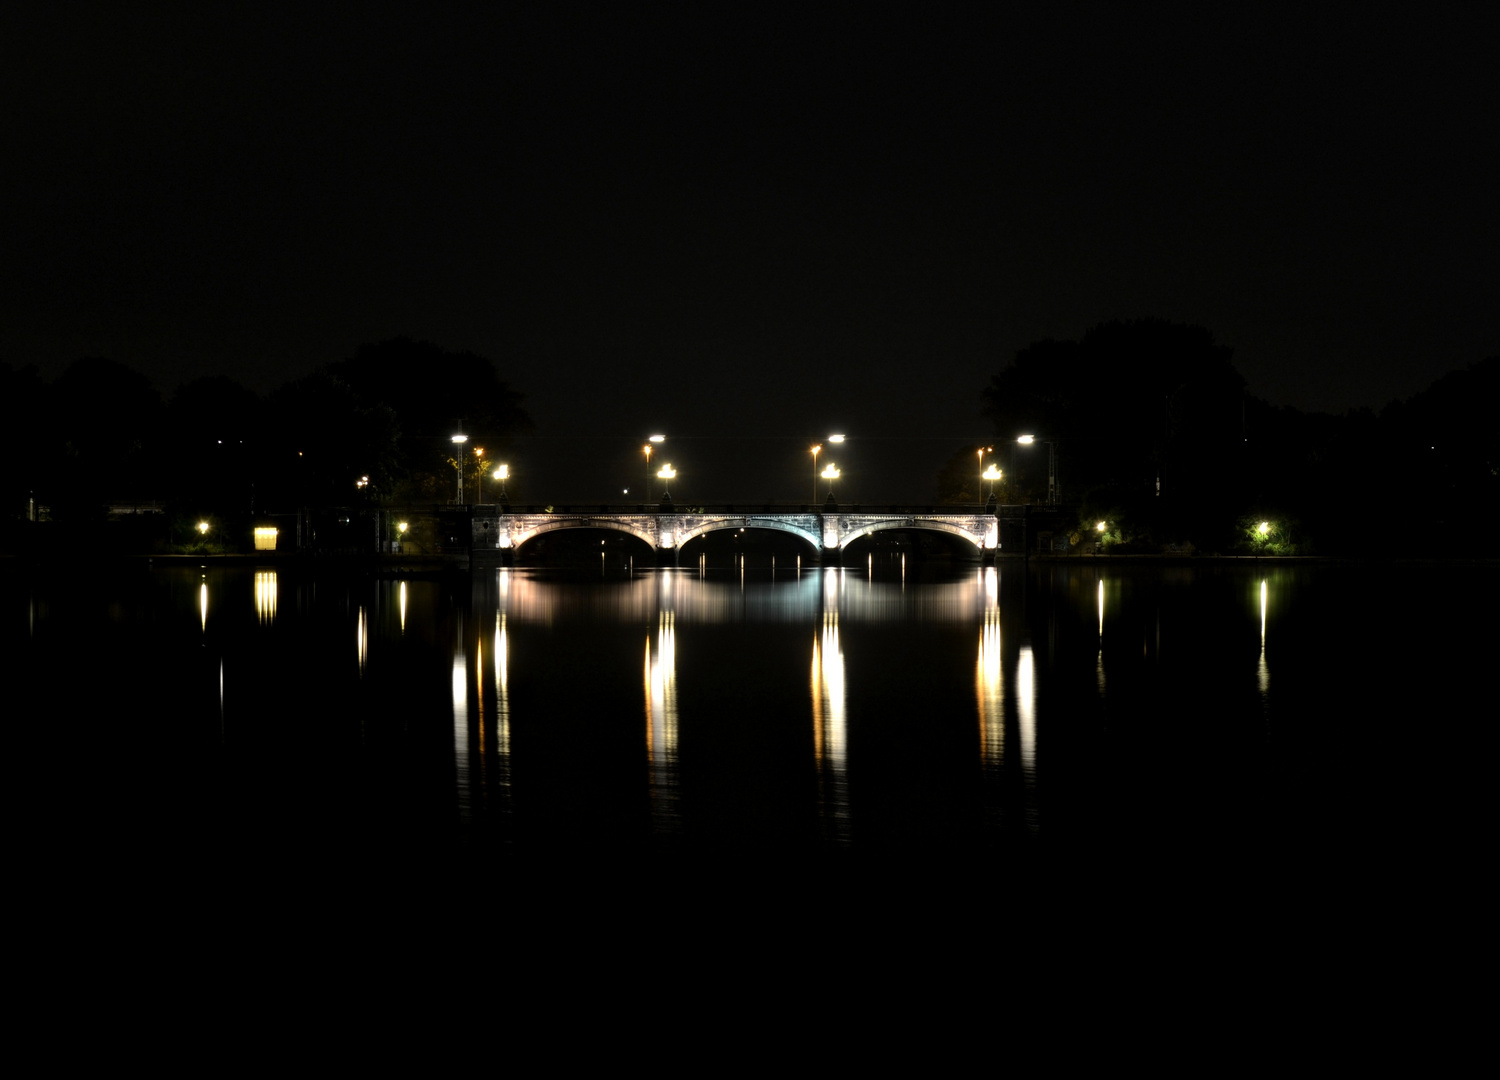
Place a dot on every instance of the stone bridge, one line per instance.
(827, 533)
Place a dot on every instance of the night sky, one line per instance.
(747, 226)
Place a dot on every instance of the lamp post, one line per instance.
(815, 451)
(652, 441)
(991, 474)
(502, 474)
(1028, 440)
(479, 474)
(666, 473)
(458, 453)
(982, 451)
(831, 473)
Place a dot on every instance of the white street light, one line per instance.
(458, 440)
(1028, 440)
(666, 473)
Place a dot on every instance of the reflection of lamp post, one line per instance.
(1027, 440)
(458, 454)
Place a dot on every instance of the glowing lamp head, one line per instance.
(1263, 528)
(831, 473)
(1026, 440)
(203, 528)
(666, 472)
(992, 473)
(402, 527)
(502, 473)
(656, 438)
(460, 438)
(835, 438)
(1099, 527)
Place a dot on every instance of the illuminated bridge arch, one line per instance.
(967, 531)
(529, 528)
(807, 530)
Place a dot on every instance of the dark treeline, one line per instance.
(102, 436)
(1158, 436)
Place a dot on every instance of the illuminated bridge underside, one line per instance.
(829, 533)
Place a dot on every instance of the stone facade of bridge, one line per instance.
(827, 534)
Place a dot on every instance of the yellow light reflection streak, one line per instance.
(830, 722)
(403, 607)
(265, 597)
(203, 606)
(362, 639)
(661, 722)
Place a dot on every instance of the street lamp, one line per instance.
(982, 451)
(458, 441)
(991, 474)
(502, 474)
(666, 472)
(831, 473)
(816, 450)
(1028, 440)
(479, 474)
(650, 439)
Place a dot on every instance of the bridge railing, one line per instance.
(745, 508)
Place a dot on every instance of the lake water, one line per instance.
(987, 715)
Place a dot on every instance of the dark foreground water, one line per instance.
(991, 716)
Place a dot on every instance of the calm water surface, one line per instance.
(989, 714)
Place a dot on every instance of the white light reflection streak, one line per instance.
(1099, 659)
(1264, 672)
(461, 727)
(1026, 715)
(661, 723)
(830, 722)
(989, 678)
(502, 691)
(403, 607)
(203, 606)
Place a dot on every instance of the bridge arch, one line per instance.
(911, 524)
(808, 536)
(523, 536)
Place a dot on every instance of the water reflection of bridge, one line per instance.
(827, 533)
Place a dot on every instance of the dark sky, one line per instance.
(748, 225)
